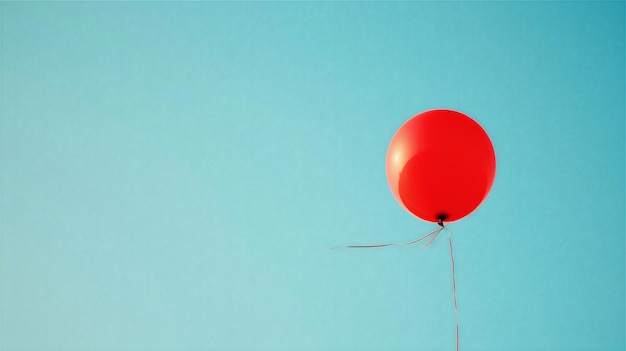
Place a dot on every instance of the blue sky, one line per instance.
(174, 174)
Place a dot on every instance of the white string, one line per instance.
(456, 306)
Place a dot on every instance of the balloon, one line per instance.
(440, 165)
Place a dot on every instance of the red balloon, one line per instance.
(440, 165)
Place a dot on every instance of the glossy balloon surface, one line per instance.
(440, 165)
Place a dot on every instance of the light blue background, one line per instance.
(173, 175)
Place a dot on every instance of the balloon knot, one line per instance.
(440, 218)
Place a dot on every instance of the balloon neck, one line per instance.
(442, 217)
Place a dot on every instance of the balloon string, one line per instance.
(434, 237)
(433, 234)
(456, 307)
